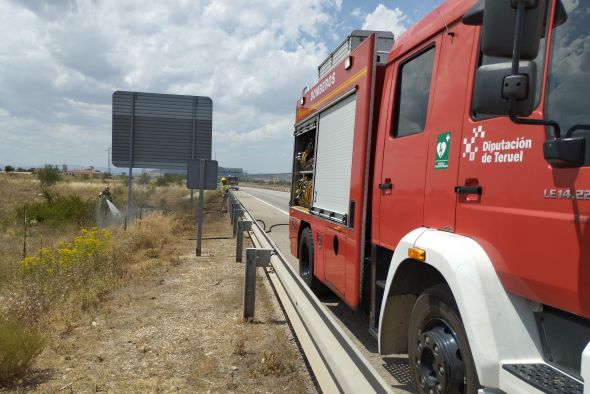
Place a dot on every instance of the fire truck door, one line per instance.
(446, 117)
(405, 149)
(533, 220)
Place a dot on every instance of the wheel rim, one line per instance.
(305, 263)
(438, 359)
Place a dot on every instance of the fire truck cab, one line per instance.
(442, 183)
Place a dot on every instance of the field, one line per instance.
(73, 297)
(55, 263)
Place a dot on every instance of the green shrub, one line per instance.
(161, 181)
(167, 179)
(145, 179)
(18, 348)
(89, 249)
(142, 195)
(75, 273)
(176, 178)
(49, 175)
(58, 210)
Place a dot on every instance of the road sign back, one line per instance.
(152, 130)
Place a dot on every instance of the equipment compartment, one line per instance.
(304, 164)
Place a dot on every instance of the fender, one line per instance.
(500, 327)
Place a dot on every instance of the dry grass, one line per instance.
(50, 297)
(240, 345)
(19, 346)
(172, 327)
(16, 190)
(53, 300)
(85, 189)
(152, 232)
(257, 357)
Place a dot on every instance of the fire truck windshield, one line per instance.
(568, 85)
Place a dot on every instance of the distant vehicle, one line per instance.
(233, 182)
(429, 191)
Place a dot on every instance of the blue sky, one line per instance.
(60, 61)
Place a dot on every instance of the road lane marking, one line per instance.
(264, 202)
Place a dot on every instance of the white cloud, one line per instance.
(383, 18)
(266, 133)
(61, 62)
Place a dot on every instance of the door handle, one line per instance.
(386, 186)
(469, 190)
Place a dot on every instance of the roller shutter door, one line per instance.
(334, 157)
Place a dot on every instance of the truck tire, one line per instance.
(438, 351)
(306, 262)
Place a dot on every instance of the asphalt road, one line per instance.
(272, 208)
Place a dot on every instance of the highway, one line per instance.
(272, 208)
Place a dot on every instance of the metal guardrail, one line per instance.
(336, 362)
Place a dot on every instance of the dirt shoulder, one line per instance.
(179, 329)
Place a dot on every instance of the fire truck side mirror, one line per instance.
(474, 16)
(495, 83)
(499, 27)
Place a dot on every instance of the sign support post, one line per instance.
(200, 210)
(201, 174)
(130, 177)
(195, 102)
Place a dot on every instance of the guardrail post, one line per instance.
(232, 212)
(243, 225)
(237, 214)
(254, 258)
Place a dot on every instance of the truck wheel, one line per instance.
(438, 351)
(306, 261)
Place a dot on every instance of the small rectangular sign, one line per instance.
(441, 154)
(194, 176)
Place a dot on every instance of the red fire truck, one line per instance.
(442, 183)
(233, 182)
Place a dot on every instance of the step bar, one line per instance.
(545, 378)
